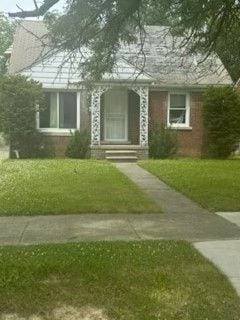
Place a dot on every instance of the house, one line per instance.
(120, 110)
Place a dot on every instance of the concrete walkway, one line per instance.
(94, 227)
(225, 254)
(171, 201)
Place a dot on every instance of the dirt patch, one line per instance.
(16, 317)
(64, 313)
(84, 313)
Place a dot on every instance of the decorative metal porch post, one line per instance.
(95, 115)
(143, 92)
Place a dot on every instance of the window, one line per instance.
(60, 112)
(178, 110)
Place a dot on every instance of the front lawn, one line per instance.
(115, 280)
(31, 187)
(214, 184)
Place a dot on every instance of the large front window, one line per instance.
(60, 111)
(178, 110)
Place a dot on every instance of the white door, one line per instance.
(116, 115)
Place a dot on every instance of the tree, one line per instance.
(101, 25)
(221, 113)
(18, 100)
(37, 12)
(6, 35)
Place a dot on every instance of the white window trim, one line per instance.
(60, 131)
(188, 103)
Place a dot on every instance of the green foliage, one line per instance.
(18, 99)
(206, 26)
(6, 36)
(163, 143)
(33, 145)
(78, 147)
(81, 26)
(221, 112)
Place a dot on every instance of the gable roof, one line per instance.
(165, 63)
(27, 47)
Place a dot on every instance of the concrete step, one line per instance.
(120, 151)
(121, 155)
(122, 158)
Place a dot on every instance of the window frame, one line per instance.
(59, 131)
(187, 117)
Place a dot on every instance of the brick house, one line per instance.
(119, 110)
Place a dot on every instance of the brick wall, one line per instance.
(189, 140)
(58, 143)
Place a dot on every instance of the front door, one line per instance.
(116, 115)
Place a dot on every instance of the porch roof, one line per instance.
(167, 64)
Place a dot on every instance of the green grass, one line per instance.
(128, 281)
(214, 184)
(31, 187)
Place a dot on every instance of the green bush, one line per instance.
(78, 147)
(19, 98)
(33, 146)
(162, 143)
(221, 115)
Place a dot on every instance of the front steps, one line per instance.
(121, 155)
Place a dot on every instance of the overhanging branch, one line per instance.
(39, 11)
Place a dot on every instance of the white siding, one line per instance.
(54, 74)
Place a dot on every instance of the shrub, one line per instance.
(221, 115)
(163, 143)
(18, 100)
(33, 145)
(78, 147)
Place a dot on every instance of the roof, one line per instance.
(27, 46)
(165, 62)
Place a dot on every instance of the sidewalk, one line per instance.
(225, 254)
(95, 227)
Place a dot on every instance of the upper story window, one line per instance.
(179, 110)
(60, 112)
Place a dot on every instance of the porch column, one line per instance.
(143, 92)
(95, 115)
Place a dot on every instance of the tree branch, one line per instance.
(39, 11)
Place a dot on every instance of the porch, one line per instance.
(119, 123)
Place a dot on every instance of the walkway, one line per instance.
(94, 227)
(223, 253)
(171, 201)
